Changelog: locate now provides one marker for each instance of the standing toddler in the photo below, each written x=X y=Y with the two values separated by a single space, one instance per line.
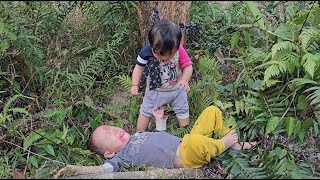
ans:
x=166 y=68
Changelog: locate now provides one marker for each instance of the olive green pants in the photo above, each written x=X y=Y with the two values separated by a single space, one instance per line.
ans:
x=198 y=147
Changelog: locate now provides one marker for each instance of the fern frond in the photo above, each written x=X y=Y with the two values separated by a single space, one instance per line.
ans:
x=125 y=81
x=93 y=64
x=315 y=95
x=239 y=166
x=284 y=45
x=309 y=62
x=208 y=66
x=299 y=82
x=308 y=36
x=282 y=63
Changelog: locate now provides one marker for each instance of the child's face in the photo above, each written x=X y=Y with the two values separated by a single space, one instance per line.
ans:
x=165 y=57
x=111 y=138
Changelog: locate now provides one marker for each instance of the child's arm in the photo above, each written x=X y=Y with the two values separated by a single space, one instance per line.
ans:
x=186 y=64
x=187 y=73
x=185 y=78
x=78 y=170
x=136 y=76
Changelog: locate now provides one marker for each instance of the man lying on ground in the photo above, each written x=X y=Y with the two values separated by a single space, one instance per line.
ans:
x=160 y=149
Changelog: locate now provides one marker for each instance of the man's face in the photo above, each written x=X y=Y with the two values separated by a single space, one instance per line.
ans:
x=112 y=138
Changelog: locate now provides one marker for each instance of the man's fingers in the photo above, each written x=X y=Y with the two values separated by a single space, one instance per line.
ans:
x=61 y=172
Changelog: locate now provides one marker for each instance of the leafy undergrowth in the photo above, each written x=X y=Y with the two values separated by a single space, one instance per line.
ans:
x=65 y=68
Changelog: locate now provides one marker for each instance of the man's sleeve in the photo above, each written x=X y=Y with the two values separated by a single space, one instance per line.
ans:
x=184 y=59
x=107 y=167
x=116 y=163
x=144 y=55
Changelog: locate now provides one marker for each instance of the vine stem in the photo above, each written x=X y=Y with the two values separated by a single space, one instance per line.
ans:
x=305 y=20
x=35 y=153
x=294 y=94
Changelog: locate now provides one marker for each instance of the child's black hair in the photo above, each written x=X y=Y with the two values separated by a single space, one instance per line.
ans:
x=164 y=37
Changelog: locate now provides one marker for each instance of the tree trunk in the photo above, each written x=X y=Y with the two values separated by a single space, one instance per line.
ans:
x=176 y=11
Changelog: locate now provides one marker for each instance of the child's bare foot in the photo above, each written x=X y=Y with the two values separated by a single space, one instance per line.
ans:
x=243 y=145
x=230 y=139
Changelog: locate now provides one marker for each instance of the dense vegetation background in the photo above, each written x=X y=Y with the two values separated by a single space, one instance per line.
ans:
x=65 y=68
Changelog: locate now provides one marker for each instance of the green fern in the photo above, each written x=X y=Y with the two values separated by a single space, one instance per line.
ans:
x=284 y=45
x=239 y=166
x=312 y=88
x=125 y=81
x=309 y=62
x=91 y=67
x=209 y=66
x=307 y=37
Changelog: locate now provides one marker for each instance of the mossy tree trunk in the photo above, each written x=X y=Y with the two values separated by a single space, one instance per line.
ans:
x=176 y=11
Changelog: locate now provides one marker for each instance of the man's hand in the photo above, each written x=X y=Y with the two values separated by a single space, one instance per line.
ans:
x=74 y=170
x=184 y=84
x=158 y=112
x=77 y=170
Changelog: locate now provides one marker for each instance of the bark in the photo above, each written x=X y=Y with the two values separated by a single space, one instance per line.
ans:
x=176 y=11
x=157 y=173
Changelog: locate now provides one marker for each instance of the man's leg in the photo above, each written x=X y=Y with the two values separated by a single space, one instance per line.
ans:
x=210 y=121
x=198 y=150
x=243 y=145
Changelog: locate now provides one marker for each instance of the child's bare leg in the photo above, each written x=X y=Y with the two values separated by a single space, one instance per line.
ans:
x=184 y=122
x=230 y=139
x=142 y=123
x=243 y=145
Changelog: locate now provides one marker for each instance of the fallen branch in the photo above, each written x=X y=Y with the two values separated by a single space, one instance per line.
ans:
x=182 y=173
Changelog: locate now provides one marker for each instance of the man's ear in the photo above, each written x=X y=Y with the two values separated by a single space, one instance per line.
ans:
x=109 y=154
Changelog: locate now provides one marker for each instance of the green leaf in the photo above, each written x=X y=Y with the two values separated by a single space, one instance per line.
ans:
x=12 y=36
x=280 y=152
x=247 y=38
x=286 y=31
x=65 y=132
x=252 y=7
x=1 y=27
x=4 y=45
x=32 y=138
x=255 y=84
x=304 y=126
x=302 y=102
x=49 y=149
x=120 y=122
x=20 y=110
x=297 y=127
x=7 y=105
x=272 y=124
x=290 y=11
x=290 y=125
x=235 y=39
x=34 y=161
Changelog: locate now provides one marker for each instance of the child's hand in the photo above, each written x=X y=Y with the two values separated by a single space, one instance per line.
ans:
x=158 y=113
x=184 y=84
x=134 y=90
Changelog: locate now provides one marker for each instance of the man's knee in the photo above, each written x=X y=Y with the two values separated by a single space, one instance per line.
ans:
x=212 y=108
